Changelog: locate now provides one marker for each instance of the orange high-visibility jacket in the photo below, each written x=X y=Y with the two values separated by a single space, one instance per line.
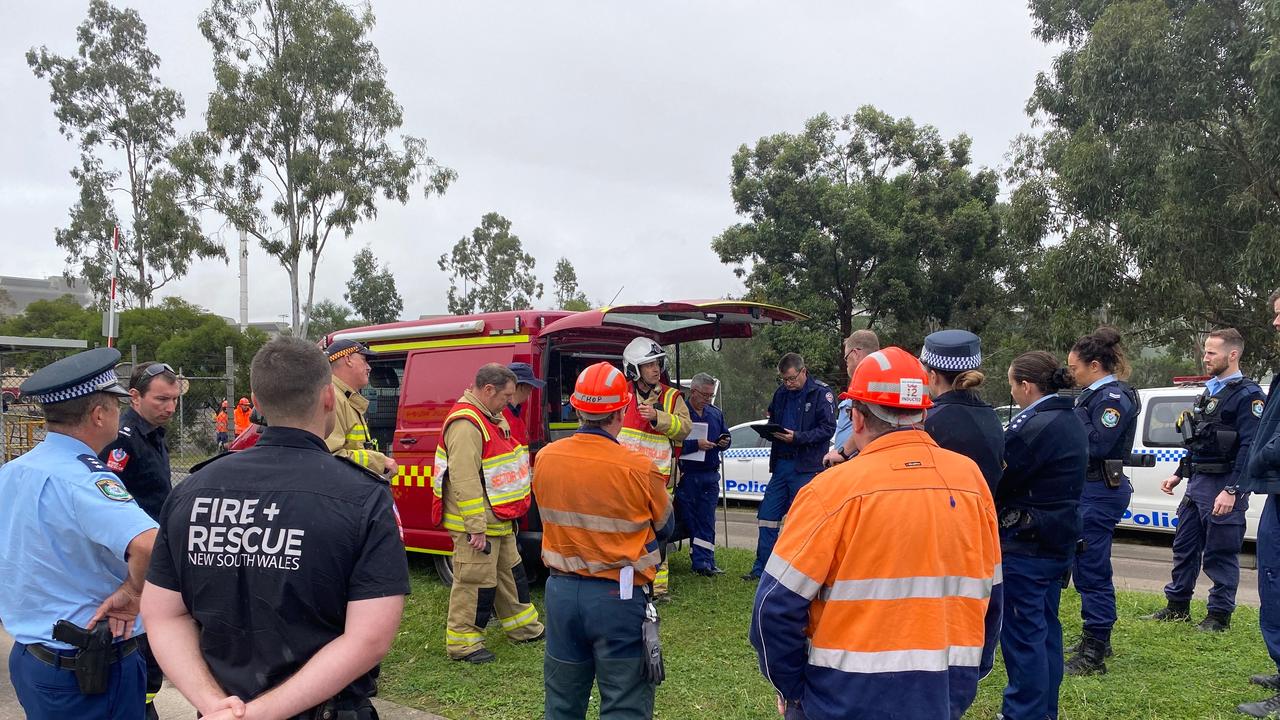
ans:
x=601 y=507
x=883 y=596
x=242 y=418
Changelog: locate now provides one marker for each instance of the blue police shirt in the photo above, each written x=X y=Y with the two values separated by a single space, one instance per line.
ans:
x=1215 y=384
x=714 y=419
x=844 y=424
x=65 y=524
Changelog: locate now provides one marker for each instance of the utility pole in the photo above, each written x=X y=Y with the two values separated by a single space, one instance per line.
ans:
x=231 y=376
x=244 y=280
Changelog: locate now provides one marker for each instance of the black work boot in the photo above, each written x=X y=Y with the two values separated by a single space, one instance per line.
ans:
x=1215 y=622
x=1173 y=612
x=1088 y=659
x=1074 y=649
x=1269 y=708
x=1270 y=682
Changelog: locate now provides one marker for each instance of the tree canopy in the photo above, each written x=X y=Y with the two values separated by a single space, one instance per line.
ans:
x=567 y=294
x=494 y=271
x=372 y=290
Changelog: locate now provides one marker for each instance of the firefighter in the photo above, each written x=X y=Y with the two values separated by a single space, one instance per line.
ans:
x=605 y=512
x=882 y=597
x=481 y=484
x=656 y=422
x=220 y=426
x=243 y=412
x=350 y=436
x=526 y=383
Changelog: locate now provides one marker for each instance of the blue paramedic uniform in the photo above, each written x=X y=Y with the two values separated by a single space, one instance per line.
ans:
x=809 y=412
x=699 y=489
x=1046 y=453
x=1108 y=409
x=65 y=525
x=1234 y=403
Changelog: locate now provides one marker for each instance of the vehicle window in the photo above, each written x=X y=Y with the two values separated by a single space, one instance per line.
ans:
x=435 y=379
x=745 y=437
x=1160 y=427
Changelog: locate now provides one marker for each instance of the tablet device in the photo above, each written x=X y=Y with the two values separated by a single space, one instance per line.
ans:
x=767 y=430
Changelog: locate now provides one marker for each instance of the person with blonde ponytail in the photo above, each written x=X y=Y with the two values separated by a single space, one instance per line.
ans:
x=959 y=420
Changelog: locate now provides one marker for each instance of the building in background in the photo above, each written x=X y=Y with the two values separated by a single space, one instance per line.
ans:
x=16 y=293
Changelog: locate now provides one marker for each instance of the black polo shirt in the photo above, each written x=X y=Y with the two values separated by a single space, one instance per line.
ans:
x=141 y=459
x=267 y=546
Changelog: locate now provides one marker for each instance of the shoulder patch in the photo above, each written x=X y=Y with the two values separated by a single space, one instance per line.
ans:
x=93 y=463
x=118 y=459
x=1110 y=417
x=113 y=490
x=1257 y=407
x=830 y=398
x=1114 y=396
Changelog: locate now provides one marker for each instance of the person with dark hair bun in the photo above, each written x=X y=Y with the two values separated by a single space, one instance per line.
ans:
x=1108 y=408
x=1046 y=452
x=959 y=420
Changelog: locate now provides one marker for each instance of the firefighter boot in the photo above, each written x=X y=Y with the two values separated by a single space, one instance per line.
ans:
x=1089 y=659
x=1215 y=622
x=1173 y=612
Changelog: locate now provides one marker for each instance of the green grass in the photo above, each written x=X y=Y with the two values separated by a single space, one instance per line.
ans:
x=1159 y=671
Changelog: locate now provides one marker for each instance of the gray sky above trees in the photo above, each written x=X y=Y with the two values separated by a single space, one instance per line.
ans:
x=603 y=131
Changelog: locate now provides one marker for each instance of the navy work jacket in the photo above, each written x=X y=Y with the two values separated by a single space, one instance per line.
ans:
x=961 y=422
x=813 y=430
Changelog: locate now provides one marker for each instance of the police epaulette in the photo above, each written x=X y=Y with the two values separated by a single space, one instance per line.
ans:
x=93 y=463
x=203 y=463
x=365 y=470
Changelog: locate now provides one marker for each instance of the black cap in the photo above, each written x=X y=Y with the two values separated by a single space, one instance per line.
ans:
x=81 y=374
x=524 y=375
x=952 y=351
x=342 y=348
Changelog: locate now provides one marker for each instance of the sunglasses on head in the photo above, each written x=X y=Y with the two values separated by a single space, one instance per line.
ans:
x=155 y=369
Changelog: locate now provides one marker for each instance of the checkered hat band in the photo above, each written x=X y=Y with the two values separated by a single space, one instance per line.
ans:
x=107 y=377
x=343 y=353
x=951 y=363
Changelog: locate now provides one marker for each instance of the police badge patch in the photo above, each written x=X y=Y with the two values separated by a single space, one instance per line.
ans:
x=1211 y=406
x=1110 y=417
x=113 y=490
x=117 y=459
x=1257 y=408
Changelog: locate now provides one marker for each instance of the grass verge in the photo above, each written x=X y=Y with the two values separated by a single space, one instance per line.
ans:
x=1159 y=671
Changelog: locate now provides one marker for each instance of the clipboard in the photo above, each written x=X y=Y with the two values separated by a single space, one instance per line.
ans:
x=767 y=430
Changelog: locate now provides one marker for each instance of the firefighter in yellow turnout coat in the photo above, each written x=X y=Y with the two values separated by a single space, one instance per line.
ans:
x=350 y=437
x=656 y=422
x=482 y=482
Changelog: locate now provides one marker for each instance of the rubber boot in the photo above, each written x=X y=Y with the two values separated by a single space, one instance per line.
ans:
x=1089 y=659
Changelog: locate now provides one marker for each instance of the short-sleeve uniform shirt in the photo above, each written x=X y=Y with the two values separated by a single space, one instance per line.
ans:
x=267 y=546
x=65 y=524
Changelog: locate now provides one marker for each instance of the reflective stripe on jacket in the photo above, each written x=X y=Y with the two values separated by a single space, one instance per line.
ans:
x=660 y=440
x=883 y=596
x=504 y=467
x=351 y=431
x=601 y=506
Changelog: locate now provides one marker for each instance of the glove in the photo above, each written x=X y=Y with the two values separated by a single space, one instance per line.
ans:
x=654 y=672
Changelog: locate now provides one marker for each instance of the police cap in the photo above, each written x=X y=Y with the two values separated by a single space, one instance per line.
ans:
x=342 y=348
x=952 y=351
x=524 y=375
x=71 y=377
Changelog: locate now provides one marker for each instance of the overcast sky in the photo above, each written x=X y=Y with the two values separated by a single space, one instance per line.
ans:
x=602 y=130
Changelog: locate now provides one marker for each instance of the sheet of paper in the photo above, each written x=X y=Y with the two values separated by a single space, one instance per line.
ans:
x=626 y=582
x=699 y=432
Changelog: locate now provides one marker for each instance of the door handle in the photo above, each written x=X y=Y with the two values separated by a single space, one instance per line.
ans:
x=409 y=441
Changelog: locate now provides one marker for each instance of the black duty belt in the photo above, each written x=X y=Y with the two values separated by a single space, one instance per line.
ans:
x=1210 y=468
x=68 y=662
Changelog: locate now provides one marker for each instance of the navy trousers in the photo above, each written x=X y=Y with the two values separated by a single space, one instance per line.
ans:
x=1031 y=636
x=1214 y=541
x=696 y=497
x=1269 y=577
x=47 y=693
x=784 y=483
x=1101 y=508
x=594 y=635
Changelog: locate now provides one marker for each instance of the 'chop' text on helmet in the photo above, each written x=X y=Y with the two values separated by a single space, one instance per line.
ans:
x=600 y=390
x=642 y=351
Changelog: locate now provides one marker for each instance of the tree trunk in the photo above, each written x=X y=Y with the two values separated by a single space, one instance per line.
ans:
x=311 y=291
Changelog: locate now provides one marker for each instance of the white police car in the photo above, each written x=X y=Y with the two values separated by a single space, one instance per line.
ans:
x=746 y=464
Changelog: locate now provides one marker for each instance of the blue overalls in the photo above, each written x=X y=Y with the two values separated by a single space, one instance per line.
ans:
x=1046 y=453
x=1263 y=477
x=1231 y=403
x=1109 y=411
x=699 y=489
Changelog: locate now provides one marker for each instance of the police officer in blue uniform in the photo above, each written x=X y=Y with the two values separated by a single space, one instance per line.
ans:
x=1046 y=453
x=140 y=457
x=699 y=486
x=1108 y=409
x=1262 y=476
x=74 y=547
x=269 y=556
x=805 y=407
x=1217 y=432
x=959 y=420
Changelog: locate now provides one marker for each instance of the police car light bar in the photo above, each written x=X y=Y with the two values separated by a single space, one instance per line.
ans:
x=400 y=333
x=1190 y=379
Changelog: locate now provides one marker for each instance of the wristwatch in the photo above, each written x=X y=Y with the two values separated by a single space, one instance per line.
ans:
x=1231 y=490
x=840 y=452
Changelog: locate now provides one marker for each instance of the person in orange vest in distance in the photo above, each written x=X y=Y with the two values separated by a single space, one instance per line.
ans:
x=605 y=512
x=883 y=595
x=481 y=485
x=220 y=426
x=242 y=412
x=656 y=421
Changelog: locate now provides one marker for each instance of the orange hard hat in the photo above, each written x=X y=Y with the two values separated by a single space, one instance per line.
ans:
x=891 y=377
x=601 y=389
x=243 y=401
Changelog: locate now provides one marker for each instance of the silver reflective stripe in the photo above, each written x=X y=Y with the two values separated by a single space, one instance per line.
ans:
x=880 y=359
x=997 y=576
x=884 y=387
x=592 y=522
x=791 y=578
x=888 y=661
x=768 y=523
x=573 y=563
x=939 y=586
x=699 y=542
x=597 y=398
